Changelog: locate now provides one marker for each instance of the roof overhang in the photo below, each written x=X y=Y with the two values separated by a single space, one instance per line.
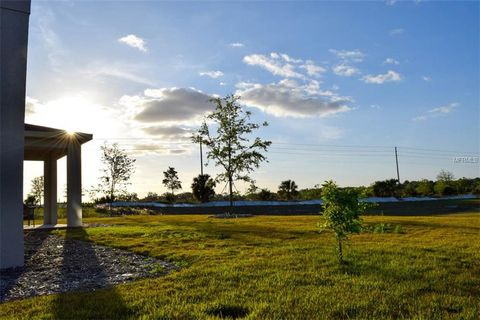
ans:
x=44 y=142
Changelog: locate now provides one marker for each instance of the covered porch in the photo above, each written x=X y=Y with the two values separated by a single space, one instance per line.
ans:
x=49 y=145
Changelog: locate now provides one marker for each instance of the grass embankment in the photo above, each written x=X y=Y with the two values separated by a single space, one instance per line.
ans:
x=282 y=268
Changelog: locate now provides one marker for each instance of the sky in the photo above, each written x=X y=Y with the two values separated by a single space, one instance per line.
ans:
x=340 y=84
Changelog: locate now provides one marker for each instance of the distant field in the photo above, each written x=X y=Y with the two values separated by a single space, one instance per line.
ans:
x=281 y=267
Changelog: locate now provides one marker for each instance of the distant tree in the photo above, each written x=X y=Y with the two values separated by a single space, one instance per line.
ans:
x=444 y=188
x=203 y=188
x=171 y=181
x=117 y=170
x=30 y=200
x=151 y=196
x=425 y=187
x=445 y=175
x=464 y=186
x=37 y=189
x=387 y=188
x=314 y=193
x=184 y=197
x=252 y=188
x=287 y=190
x=266 y=195
x=409 y=189
x=231 y=147
x=476 y=188
x=128 y=197
x=342 y=211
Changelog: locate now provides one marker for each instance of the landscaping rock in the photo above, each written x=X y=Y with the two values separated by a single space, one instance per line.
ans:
x=54 y=264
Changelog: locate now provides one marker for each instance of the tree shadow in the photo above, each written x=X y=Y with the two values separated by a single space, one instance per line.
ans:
x=82 y=272
x=33 y=240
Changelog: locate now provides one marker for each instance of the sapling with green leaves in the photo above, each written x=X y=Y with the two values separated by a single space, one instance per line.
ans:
x=342 y=212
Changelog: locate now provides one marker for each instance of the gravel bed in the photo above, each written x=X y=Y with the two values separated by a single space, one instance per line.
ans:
x=54 y=264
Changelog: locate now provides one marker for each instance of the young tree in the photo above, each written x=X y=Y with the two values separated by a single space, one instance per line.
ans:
x=203 y=188
x=342 y=210
x=171 y=180
x=287 y=190
x=117 y=171
x=231 y=147
x=37 y=189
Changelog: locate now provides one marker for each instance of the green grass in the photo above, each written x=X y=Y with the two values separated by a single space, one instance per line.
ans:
x=272 y=267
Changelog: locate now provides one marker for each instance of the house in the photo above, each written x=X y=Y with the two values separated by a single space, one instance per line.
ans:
x=20 y=141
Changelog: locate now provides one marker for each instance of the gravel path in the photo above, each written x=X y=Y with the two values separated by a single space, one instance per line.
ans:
x=54 y=264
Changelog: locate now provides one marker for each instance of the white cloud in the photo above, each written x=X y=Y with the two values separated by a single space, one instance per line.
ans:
x=277 y=64
x=134 y=42
x=438 y=111
x=312 y=69
x=287 y=98
x=222 y=83
x=391 y=2
x=345 y=70
x=102 y=70
x=444 y=110
x=391 y=61
x=154 y=148
x=346 y=55
x=237 y=45
x=169 y=132
x=212 y=74
x=397 y=31
x=31 y=106
x=45 y=26
x=390 y=76
x=167 y=106
x=426 y=78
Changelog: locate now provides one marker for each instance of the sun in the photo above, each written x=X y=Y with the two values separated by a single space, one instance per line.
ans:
x=74 y=113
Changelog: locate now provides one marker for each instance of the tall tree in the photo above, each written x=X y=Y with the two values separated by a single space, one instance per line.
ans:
x=229 y=143
x=342 y=211
x=287 y=190
x=171 y=180
x=203 y=188
x=117 y=171
x=37 y=189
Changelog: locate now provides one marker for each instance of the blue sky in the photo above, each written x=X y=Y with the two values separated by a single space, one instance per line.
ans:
x=340 y=83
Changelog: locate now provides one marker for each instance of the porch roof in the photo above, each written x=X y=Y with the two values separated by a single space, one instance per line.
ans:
x=44 y=142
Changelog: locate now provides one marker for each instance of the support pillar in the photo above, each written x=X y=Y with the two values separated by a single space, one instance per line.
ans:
x=50 y=191
x=74 y=183
x=13 y=62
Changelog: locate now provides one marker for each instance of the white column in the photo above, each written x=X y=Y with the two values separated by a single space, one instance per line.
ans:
x=50 y=191
x=74 y=184
x=13 y=59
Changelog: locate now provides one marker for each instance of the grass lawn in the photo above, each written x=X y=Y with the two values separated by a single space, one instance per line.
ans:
x=272 y=267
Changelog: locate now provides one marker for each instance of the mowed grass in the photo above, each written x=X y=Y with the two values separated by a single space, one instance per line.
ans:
x=273 y=267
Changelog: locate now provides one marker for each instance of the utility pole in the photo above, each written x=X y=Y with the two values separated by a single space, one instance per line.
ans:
x=396 y=161
x=201 y=158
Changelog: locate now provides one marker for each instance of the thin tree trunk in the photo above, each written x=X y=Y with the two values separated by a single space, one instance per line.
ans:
x=231 y=193
x=340 y=252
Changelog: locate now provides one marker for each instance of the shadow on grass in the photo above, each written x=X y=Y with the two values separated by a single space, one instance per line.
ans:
x=78 y=264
